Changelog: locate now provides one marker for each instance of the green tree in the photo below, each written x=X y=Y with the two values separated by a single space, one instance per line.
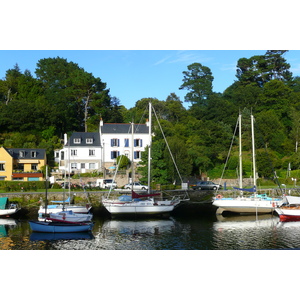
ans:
x=198 y=81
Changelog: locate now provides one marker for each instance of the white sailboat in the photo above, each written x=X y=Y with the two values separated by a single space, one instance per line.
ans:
x=253 y=204
x=143 y=204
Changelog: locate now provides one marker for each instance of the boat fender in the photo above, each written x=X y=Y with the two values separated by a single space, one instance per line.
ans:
x=219 y=197
x=64 y=216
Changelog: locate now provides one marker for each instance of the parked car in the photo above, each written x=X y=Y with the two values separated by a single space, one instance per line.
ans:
x=136 y=186
x=106 y=183
x=206 y=185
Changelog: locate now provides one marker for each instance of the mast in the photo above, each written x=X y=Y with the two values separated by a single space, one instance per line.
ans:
x=132 y=155
x=240 y=155
x=149 y=147
x=46 y=200
x=253 y=151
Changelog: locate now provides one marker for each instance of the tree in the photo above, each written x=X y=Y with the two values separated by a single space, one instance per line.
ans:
x=260 y=69
x=75 y=95
x=198 y=80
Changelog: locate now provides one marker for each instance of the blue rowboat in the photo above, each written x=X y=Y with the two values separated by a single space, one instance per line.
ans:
x=42 y=226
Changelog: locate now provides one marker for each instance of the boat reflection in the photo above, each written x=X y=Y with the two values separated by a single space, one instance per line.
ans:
x=134 y=227
x=46 y=236
x=5 y=225
x=245 y=232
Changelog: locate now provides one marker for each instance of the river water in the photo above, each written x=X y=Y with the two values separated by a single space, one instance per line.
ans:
x=174 y=233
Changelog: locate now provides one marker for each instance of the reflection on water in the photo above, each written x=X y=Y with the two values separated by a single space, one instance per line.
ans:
x=246 y=232
x=211 y=233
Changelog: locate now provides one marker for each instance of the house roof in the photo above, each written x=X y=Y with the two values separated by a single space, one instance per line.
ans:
x=15 y=153
x=116 y=128
x=83 y=136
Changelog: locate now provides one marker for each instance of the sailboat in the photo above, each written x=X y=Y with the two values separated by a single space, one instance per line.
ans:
x=143 y=204
x=59 y=227
x=253 y=204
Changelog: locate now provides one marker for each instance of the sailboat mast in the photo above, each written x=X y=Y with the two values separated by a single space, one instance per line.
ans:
x=132 y=154
x=149 y=147
x=240 y=155
x=253 y=151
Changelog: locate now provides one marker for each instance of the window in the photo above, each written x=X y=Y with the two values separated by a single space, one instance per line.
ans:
x=114 y=154
x=20 y=167
x=2 y=167
x=137 y=155
x=126 y=142
x=73 y=166
x=34 y=167
x=89 y=141
x=91 y=152
x=138 y=143
x=62 y=155
x=33 y=154
x=115 y=142
x=82 y=165
x=73 y=152
x=22 y=153
x=77 y=141
x=92 y=166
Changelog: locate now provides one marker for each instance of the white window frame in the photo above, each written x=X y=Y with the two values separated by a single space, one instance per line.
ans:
x=77 y=141
x=89 y=141
x=92 y=152
x=2 y=167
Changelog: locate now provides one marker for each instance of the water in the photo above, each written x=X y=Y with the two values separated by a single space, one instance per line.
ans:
x=197 y=233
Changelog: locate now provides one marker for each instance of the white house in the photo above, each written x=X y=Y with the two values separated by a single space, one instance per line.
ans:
x=95 y=151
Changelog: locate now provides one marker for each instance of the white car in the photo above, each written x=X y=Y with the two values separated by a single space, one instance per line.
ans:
x=136 y=186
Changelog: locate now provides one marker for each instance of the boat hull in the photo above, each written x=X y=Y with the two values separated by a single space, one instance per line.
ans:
x=287 y=215
x=70 y=216
x=8 y=212
x=139 y=208
x=58 y=227
x=246 y=205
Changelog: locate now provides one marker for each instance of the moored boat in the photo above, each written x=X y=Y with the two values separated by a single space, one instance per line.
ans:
x=244 y=204
x=43 y=226
x=6 y=208
x=70 y=216
x=145 y=204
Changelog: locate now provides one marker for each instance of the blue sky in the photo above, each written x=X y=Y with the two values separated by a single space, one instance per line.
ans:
x=135 y=74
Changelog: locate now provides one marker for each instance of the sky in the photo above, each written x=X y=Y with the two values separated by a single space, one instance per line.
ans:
x=135 y=74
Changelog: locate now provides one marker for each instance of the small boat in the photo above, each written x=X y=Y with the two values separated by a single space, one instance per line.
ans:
x=7 y=208
x=59 y=206
x=69 y=216
x=59 y=227
x=289 y=211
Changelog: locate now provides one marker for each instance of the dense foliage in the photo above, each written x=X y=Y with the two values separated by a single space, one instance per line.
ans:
x=62 y=97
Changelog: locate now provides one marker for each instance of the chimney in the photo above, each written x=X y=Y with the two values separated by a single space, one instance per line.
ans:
x=65 y=139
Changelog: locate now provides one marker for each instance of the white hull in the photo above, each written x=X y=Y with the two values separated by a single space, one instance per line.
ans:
x=143 y=207
x=8 y=212
x=55 y=209
x=70 y=216
x=245 y=205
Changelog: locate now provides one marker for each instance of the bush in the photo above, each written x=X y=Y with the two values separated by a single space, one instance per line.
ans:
x=21 y=186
